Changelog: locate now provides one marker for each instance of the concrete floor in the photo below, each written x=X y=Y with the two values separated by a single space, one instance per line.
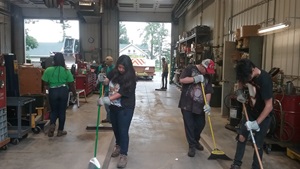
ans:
x=157 y=139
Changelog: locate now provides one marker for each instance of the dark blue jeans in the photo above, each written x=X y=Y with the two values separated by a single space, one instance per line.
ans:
x=120 y=121
x=259 y=140
x=58 y=98
x=193 y=126
x=164 y=79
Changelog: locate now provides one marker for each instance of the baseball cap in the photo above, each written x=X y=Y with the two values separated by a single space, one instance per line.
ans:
x=209 y=66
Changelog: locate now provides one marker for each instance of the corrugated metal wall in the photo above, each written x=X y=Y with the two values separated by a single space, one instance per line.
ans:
x=281 y=49
x=5 y=28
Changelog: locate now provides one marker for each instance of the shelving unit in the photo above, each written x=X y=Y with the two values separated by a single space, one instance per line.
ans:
x=19 y=130
x=193 y=48
x=245 y=46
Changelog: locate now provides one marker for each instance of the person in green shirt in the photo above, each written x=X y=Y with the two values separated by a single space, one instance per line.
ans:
x=58 y=79
x=103 y=71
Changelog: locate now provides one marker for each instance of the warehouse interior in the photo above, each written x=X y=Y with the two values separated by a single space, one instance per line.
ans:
x=222 y=30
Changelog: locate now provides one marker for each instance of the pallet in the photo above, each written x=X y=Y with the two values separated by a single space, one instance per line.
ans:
x=3 y=143
x=293 y=153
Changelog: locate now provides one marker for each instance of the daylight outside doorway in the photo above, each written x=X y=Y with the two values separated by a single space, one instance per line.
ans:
x=146 y=43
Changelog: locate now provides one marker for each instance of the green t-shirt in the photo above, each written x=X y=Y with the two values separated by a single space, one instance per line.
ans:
x=57 y=75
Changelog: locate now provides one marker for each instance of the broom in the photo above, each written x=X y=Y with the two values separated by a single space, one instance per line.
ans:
x=216 y=153
x=253 y=140
x=94 y=163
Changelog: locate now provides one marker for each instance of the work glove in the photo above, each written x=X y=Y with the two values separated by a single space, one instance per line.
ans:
x=101 y=77
x=103 y=101
x=198 y=78
x=240 y=96
x=252 y=125
x=207 y=109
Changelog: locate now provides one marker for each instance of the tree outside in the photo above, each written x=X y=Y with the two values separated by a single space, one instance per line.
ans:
x=155 y=35
x=123 y=37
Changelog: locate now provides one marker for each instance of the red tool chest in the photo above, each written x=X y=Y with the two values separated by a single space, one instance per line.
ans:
x=290 y=115
x=86 y=81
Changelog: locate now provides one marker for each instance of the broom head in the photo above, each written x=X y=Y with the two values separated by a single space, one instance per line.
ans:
x=94 y=163
x=218 y=154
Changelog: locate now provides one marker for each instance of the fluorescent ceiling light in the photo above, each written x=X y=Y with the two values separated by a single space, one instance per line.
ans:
x=85 y=3
x=274 y=27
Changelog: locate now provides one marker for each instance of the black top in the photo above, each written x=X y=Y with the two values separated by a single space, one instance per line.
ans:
x=264 y=91
x=191 y=98
x=127 y=99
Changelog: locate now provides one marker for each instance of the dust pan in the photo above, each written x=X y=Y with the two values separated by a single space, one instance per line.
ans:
x=216 y=153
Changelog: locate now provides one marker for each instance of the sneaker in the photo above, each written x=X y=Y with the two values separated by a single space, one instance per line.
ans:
x=116 y=152
x=233 y=166
x=191 y=152
x=51 y=130
x=61 y=133
x=199 y=147
x=122 y=161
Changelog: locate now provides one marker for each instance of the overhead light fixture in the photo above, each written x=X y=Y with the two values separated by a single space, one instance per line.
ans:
x=273 y=28
x=86 y=3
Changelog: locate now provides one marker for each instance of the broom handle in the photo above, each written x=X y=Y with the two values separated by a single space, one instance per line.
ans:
x=101 y=88
x=208 y=117
x=253 y=140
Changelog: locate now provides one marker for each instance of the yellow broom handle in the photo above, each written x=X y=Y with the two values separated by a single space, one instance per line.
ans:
x=254 y=144
x=208 y=117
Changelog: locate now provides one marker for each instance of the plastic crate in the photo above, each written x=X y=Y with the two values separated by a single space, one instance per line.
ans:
x=3 y=125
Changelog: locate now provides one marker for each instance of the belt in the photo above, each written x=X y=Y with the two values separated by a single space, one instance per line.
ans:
x=63 y=85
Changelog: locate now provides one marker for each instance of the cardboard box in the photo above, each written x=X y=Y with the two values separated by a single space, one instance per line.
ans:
x=30 y=80
x=249 y=30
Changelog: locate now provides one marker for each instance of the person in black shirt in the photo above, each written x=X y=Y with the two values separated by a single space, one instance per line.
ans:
x=122 y=85
x=259 y=106
x=191 y=101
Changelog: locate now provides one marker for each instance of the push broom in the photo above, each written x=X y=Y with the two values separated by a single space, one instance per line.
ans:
x=94 y=163
x=253 y=140
x=216 y=153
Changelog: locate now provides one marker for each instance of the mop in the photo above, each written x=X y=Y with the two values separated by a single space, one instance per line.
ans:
x=216 y=153
x=253 y=140
x=94 y=163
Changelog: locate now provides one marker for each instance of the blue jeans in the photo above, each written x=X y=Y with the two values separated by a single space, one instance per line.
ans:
x=120 y=121
x=164 y=79
x=58 y=98
x=259 y=139
x=193 y=126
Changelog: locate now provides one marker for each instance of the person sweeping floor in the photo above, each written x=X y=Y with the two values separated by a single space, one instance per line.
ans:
x=259 y=106
x=191 y=103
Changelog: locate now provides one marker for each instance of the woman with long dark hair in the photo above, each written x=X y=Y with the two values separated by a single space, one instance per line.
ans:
x=58 y=79
x=122 y=85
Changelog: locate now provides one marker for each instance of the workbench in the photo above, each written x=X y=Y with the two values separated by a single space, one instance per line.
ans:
x=19 y=131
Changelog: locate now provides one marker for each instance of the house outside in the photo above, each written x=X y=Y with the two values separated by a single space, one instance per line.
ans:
x=134 y=51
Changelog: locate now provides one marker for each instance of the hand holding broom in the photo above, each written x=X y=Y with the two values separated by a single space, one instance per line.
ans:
x=251 y=125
